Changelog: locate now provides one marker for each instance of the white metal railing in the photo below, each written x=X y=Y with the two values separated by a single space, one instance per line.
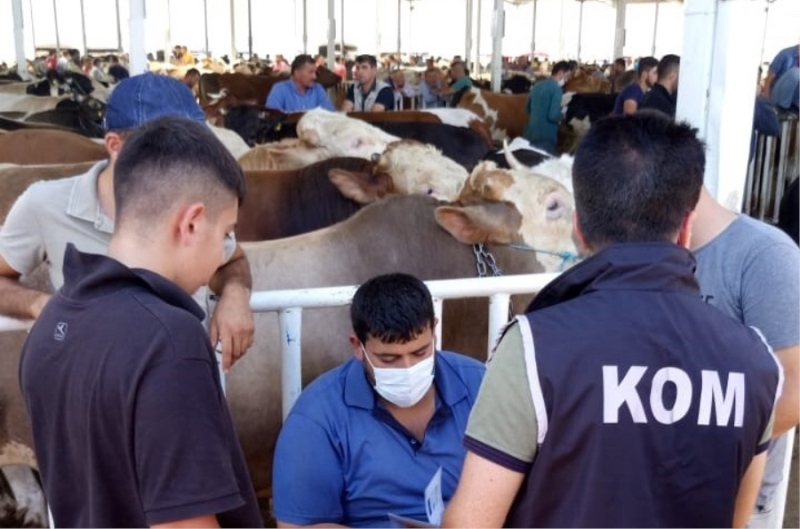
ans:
x=771 y=171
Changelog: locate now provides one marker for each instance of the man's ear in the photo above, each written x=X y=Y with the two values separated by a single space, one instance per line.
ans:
x=187 y=222
x=114 y=144
x=356 y=344
x=685 y=233
x=583 y=247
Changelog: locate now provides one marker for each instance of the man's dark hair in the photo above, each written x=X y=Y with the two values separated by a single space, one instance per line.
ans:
x=301 y=60
x=113 y=59
x=667 y=65
x=192 y=71
x=646 y=64
x=620 y=62
x=560 y=66
x=169 y=159
x=369 y=59
x=393 y=308
x=635 y=178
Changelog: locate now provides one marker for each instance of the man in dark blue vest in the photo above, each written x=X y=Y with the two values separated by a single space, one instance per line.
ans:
x=621 y=399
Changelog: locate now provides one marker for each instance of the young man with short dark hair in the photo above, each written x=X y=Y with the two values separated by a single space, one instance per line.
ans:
x=626 y=400
x=664 y=94
x=627 y=101
x=365 y=439
x=544 y=109
x=368 y=94
x=301 y=91
x=130 y=424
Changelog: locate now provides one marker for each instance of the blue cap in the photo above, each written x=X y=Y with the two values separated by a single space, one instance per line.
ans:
x=141 y=98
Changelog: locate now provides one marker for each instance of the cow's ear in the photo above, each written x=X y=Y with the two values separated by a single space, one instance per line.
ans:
x=488 y=222
x=363 y=187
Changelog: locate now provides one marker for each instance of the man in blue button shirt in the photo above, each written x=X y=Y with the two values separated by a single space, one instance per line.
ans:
x=301 y=91
x=365 y=439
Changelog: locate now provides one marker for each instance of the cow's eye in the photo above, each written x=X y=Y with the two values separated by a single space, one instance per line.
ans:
x=430 y=191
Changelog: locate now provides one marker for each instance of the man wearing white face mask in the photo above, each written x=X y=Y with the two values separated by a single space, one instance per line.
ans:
x=367 y=438
x=544 y=109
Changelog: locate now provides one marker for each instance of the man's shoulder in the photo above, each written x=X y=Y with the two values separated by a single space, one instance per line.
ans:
x=176 y=324
x=466 y=369
x=749 y=236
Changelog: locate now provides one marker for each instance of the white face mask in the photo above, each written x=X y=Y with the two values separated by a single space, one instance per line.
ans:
x=403 y=386
x=561 y=82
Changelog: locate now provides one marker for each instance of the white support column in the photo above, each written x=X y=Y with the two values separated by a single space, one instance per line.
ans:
x=655 y=29
x=138 y=57
x=119 y=28
x=721 y=47
x=399 y=28
x=83 y=27
x=342 y=24
x=232 y=54
x=205 y=24
x=562 y=33
x=33 y=29
x=619 y=30
x=498 y=29
x=533 y=31
x=468 y=36
x=19 y=39
x=167 y=31
x=331 y=34
x=290 y=321
x=479 y=16
x=305 y=26
x=249 y=29
x=378 y=33
x=580 y=30
x=58 y=38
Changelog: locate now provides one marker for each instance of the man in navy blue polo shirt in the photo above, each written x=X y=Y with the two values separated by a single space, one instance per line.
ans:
x=367 y=438
x=130 y=425
x=301 y=91
x=621 y=398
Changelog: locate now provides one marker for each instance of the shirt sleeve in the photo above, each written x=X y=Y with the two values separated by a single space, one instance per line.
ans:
x=771 y=294
x=21 y=242
x=307 y=475
x=182 y=456
x=275 y=98
x=502 y=426
x=554 y=112
x=386 y=98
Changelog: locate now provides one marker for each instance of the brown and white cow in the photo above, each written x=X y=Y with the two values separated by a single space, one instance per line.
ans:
x=504 y=114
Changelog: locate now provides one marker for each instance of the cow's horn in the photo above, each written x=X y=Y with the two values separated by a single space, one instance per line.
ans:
x=510 y=158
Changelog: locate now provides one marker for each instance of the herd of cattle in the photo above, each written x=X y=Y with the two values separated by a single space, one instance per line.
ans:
x=333 y=199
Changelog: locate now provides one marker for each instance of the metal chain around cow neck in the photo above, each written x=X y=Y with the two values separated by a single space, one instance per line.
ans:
x=485 y=260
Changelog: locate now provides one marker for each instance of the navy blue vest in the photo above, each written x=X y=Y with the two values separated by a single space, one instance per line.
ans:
x=655 y=402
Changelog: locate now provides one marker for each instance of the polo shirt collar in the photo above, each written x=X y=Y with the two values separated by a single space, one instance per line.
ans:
x=83 y=201
x=359 y=393
x=88 y=276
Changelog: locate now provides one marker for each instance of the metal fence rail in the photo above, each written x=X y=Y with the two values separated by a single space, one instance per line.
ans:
x=773 y=168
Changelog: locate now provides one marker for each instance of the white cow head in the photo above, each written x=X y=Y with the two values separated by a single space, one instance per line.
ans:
x=559 y=169
x=422 y=169
x=544 y=205
x=341 y=135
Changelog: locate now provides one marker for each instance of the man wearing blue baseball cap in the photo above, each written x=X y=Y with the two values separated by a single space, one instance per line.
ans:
x=81 y=210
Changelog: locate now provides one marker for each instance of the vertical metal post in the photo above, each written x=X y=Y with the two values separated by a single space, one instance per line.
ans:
x=250 y=29
x=399 y=29
x=305 y=26
x=498 y=318
x=479 y=16
x=378 y=28
x=533 y=31
x=205 y=22
x=580 y=31
x=55 y=18
x=655 y=29
x=468 y=35
x=83 y=28
x=290 y=321
x=168 y=33
x=138 y=57
x=619 y=30
x=119 y=28
x=437 y=312
x=233 y=33
x=342 y=24
x=19 y=39
x=331 y=33
x=498 y=29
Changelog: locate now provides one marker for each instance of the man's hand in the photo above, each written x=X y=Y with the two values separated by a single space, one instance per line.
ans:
x=232 y=324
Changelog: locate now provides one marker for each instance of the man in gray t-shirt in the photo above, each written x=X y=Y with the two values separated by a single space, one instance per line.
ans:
x=749 y=270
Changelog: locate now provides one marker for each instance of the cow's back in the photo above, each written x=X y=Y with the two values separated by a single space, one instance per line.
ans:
x=42 y=146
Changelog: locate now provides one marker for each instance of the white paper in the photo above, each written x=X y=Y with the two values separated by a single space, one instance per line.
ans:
x=434 y=504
